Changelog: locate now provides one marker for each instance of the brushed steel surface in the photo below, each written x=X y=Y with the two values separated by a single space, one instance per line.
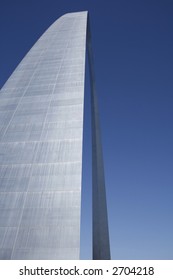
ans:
x=41 y=133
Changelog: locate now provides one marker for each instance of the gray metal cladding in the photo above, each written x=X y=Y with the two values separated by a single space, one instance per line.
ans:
x=101 y=244
x=41 y=131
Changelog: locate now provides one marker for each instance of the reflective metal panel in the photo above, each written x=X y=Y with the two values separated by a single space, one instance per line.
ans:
x=41 y=127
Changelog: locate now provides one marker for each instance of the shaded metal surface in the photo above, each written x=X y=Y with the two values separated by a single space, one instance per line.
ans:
x=101 y=245
x=41 y=130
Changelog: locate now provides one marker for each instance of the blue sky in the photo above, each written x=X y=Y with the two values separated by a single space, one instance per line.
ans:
x=132 y=44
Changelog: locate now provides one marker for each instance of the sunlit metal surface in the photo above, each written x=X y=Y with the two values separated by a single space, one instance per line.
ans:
x=41 y=130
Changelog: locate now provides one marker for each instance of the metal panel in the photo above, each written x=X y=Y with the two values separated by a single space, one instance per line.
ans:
x=41 y=125
x=101 y=246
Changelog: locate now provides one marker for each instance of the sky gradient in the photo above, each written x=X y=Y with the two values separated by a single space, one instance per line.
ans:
x=132 y=44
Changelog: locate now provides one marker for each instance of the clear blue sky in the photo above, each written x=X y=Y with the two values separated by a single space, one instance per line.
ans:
x=133 y=51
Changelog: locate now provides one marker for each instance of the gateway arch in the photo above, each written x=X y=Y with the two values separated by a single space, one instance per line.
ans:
x=41 y=138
